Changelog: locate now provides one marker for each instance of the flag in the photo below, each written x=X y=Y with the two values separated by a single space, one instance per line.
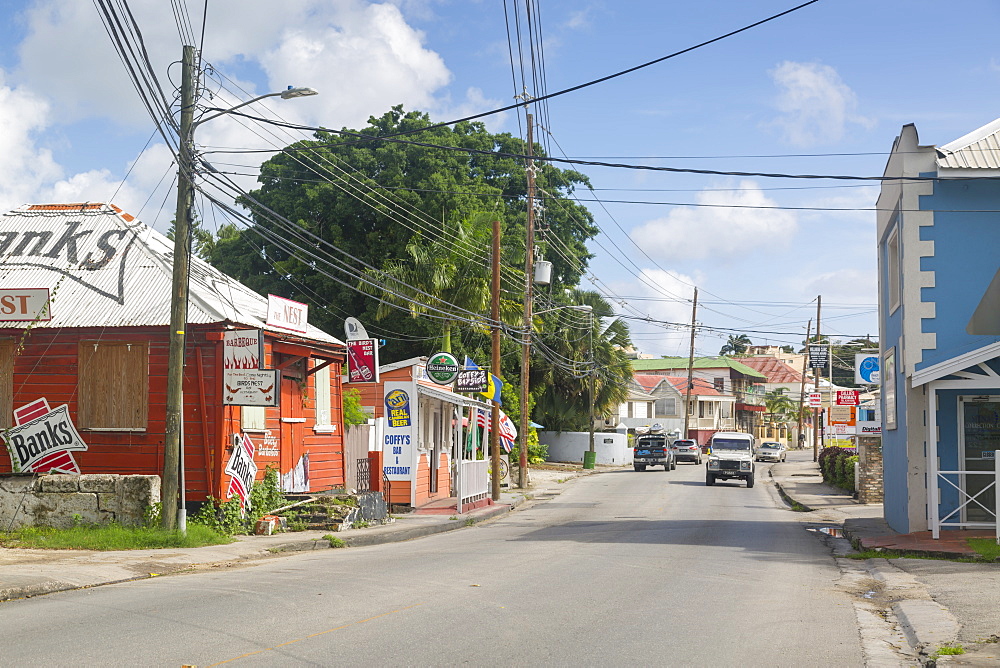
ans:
x=494 y=384
x=508 y=433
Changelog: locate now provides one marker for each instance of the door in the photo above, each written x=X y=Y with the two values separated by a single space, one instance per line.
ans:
x=979 y=434
x=294 y=461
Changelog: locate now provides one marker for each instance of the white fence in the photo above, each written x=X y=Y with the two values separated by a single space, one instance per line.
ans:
x=473 y=482
x=954 y=518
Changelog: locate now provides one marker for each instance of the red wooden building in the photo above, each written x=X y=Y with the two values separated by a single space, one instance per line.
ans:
x=103 y=353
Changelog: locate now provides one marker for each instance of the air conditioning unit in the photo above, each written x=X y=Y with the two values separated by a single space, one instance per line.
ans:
x=609 y=423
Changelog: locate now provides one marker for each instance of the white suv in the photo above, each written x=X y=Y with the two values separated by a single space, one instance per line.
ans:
x=731 y=456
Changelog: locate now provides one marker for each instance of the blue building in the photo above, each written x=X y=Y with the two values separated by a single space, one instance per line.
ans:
x=939 y=325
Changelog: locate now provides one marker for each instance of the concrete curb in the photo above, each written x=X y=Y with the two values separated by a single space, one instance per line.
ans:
x=926 y=624
x=788 y=499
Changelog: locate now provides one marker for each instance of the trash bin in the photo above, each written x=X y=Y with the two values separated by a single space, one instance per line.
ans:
x=589 y=459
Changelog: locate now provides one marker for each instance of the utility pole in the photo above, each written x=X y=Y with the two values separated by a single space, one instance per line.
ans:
x=591 y=381
x=495 y=360
x=802 y=388
x=816 y=411
x=173 y=440
x=690 y=383
x=529 y=256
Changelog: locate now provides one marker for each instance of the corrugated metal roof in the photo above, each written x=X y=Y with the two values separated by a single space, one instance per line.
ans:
x=669 y=363
x=104 y=268
x=775 y=370
x=980 y=149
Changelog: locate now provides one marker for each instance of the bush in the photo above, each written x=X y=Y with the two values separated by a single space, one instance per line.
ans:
x=537 y=452
x=226 y=517
x=837 y=466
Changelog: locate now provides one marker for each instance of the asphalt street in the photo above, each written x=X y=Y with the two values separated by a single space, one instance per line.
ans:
x=649 y=568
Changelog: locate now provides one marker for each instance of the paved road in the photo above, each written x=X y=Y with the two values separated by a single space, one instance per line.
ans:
x=623 y=568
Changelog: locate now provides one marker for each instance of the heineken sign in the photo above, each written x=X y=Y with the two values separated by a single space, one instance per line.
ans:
x=442 y=368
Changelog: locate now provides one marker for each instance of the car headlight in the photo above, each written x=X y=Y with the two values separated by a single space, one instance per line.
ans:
x=713 y=463
x=745 y=465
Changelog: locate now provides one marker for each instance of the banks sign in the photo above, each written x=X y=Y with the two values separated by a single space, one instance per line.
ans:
x=42 y=438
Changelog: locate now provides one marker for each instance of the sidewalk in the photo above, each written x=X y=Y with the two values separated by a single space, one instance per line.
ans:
x=933 y=602
x=25 y=573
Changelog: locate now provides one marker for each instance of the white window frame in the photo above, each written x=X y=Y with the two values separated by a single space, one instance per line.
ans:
x=324 y=407
x=893 y=274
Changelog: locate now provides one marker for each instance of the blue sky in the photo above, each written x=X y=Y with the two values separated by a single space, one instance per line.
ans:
x=823 y=90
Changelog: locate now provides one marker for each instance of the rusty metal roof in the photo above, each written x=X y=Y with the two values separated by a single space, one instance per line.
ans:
x=980 y=149
x=104 y=268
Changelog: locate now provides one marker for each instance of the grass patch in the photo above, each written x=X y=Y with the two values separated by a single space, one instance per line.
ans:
x=986 y=547
x=334 y=541
x=110 y=537
x=948 y=650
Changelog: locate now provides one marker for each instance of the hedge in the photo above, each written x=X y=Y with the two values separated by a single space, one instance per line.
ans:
x=837 y=465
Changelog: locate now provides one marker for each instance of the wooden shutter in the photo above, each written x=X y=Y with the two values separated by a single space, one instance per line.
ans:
x=113 y=385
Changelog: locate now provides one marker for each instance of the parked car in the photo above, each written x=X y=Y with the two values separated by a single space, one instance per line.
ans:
x=686 y=450
x=652 y=449
x=771 y=451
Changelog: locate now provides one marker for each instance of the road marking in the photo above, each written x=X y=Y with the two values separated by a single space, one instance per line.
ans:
x=312 y=635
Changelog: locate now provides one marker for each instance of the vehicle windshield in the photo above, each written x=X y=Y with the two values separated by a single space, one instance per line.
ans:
x=731 y=444
x=770 y=446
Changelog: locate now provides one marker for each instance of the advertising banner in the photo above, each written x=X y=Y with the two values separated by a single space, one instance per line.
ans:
x=24 y=304
x=819 y=356
x=866 y=369
x=49 y=435
x=286 y=314
x=472 y=380
x=251 y=387
x=362 y=361
x=815 y=400
x=243 y=470
x=442 y=368
x=243 y=349
x=398 y=441
x=841 y=414
x=847 y=397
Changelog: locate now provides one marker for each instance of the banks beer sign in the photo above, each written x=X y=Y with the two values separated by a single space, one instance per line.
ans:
x=43 y=438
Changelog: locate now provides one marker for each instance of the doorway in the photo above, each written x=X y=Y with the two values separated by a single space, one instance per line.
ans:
x=979 y=438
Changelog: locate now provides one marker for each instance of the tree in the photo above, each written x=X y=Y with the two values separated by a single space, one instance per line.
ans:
x=736 y=345
x=360 y=202
x=560 y=379
x=779 y=407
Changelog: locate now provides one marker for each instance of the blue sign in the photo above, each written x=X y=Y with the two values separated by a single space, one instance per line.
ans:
x=866 y=369
x=397 y=408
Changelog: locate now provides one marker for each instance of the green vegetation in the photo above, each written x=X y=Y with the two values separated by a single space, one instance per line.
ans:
x=110 y=537
x=334 y=541
x=948 y=650
x=226 y=517
x=837 y=465
x=986 y=547
x=352 y=408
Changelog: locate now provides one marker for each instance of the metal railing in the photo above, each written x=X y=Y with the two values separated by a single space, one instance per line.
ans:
x=966 y=500
x=364 y=475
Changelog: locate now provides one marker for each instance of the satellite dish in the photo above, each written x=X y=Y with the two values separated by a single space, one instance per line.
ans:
x=354 y=329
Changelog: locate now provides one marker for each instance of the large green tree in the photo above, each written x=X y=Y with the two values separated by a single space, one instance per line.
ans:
x=736 y=345
x=358 y=202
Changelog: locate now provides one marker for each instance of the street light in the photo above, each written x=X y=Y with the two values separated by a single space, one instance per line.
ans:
x=525 y=421
x=173 y=514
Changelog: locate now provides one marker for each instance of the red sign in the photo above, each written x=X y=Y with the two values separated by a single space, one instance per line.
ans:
x=847 y=397
x=815 y=400
x=362 y=361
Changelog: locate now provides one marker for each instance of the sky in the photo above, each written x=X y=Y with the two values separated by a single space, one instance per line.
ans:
x=823 y=90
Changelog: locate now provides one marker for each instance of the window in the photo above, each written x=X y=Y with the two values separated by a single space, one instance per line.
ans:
x=253 y=418
x=666 y=407
x=892 y=274
x=710 y=409
x=719 y=384
x=113 y=385
x=324 y=420
x=6 y=382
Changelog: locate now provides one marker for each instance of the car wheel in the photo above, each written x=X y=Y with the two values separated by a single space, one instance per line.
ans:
x=750 y=481
x=709 y=479
x=673 y=465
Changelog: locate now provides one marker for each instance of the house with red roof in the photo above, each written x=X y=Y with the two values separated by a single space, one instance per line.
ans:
x=711 y=410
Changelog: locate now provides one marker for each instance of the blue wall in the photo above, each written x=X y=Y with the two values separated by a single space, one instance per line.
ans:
x=966 y=245
x=894 y=459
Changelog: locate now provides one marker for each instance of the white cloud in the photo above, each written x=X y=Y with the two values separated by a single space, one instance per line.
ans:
x=816 y=105
x=25 y=167
x=720 y=230
x=663 y=296
x=850 y=285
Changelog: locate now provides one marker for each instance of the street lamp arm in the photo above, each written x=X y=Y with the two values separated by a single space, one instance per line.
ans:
x=286 y=94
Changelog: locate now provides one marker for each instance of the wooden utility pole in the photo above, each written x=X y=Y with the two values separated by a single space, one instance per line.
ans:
x=173 y=438
x=690 y=383
x=495 y=361
x=816 y=411
x=529 y=256
x=802 y=388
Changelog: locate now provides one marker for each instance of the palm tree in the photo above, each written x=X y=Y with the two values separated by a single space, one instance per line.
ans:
x=736 y=345
x=441 y=277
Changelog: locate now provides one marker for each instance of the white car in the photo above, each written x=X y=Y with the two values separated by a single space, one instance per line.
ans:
x=771 y=451
x=686 y=450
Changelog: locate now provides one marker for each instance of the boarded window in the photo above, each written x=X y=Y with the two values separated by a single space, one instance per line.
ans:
x=6 y=383
x=666 y=407
x=113 y=391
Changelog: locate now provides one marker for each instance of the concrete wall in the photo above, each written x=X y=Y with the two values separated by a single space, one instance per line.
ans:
x=569 y=446
x=54 y=500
